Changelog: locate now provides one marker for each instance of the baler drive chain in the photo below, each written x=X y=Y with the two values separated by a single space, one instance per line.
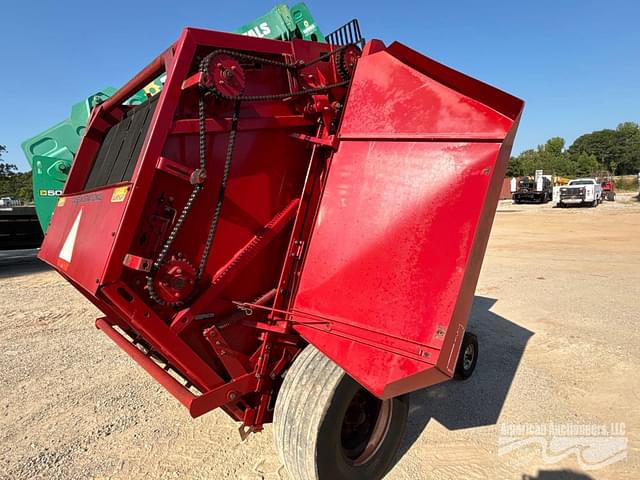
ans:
x=201 y=174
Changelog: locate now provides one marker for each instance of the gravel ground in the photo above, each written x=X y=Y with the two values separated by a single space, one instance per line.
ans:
x=556 y=313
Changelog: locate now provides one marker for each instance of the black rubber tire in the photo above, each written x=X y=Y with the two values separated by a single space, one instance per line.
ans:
x=307 y=422
x=463 y=372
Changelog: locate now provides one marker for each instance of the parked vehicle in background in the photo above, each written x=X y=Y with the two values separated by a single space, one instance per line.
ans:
x=9 y=202
x=19 y=227
x=533 y=190
x=580 y=191
x=608 y=189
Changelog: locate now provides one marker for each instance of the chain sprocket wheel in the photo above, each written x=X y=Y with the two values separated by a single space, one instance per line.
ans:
x=174 y=281
x=225 y=76
x=346 y=60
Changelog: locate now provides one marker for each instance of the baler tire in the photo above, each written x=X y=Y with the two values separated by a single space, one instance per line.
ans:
x=308 y=423
x=464 y=369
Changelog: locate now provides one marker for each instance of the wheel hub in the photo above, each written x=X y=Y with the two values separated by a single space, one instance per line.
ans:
x=469 y=354
x=364 y=427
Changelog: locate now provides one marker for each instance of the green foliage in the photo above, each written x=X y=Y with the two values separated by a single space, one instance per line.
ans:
x=14 y=183
x=627 y=183
x=6 y=169
x=617 y=151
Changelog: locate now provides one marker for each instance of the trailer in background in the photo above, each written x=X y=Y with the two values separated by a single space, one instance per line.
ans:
x=538 y=189
x=19 y=227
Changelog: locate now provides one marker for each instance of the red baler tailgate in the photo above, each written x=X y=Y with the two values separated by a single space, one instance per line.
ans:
x=79 y=241
x=396 y=250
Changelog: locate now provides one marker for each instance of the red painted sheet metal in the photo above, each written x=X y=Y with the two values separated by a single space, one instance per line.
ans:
x=409 y=103
x=94 y=215
x=404 y=220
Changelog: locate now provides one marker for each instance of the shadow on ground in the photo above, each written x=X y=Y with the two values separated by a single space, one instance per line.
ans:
x=477 y=401
x=15 y=263
x=558 y=475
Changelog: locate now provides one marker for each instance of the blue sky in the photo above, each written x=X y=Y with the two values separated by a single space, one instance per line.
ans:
x=575 y=63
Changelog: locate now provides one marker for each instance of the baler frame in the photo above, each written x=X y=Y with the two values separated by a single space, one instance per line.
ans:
x=338 y=130
x=178 y=358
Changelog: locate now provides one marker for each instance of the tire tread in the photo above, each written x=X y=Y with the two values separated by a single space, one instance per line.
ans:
x=304 y=399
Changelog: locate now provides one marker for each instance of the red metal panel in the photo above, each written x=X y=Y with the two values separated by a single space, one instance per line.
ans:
x=390 y=99
x=408 y=204
x=96 y=215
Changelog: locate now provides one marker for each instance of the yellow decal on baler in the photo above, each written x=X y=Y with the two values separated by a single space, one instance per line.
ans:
x=61 y=201
x=155 y=86
x=119 y=194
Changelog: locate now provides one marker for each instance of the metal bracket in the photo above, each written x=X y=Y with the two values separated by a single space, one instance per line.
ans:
x=235 y=363
x=297 y=248
x=175 y=169
x=245 y=431
x=330 y=141
x=137 y=263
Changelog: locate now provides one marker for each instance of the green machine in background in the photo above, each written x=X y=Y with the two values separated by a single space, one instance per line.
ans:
x=284 y=23
x=50 y=153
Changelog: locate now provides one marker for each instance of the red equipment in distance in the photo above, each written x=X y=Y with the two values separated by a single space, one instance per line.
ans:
x=332 y=230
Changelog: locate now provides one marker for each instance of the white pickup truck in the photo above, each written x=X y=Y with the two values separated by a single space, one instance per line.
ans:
x=9 y=202
x=581 y=191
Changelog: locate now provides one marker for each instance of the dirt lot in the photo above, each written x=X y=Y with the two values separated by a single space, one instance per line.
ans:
x=556 y=312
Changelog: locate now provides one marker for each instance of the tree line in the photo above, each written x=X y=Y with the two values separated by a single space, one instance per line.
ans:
x=13 y=183
x=616 y=151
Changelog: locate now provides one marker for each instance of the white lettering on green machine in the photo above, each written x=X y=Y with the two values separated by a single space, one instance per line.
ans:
x=259 y=31
x=50 y=193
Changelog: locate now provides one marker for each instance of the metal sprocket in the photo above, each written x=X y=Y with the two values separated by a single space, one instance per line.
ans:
x=346 y=60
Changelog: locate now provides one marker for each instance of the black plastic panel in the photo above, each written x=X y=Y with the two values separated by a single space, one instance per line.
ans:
x=121 y=147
